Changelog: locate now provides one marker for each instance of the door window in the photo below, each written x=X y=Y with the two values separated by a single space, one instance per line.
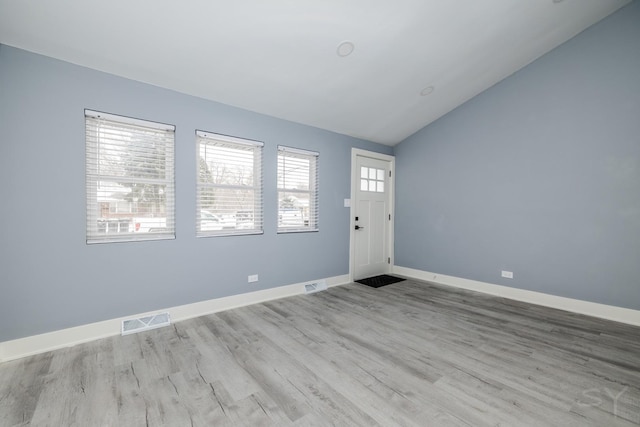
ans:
x=372 y=179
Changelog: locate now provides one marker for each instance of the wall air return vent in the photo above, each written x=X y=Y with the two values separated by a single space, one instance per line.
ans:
x=131 y=326
x=315 y=287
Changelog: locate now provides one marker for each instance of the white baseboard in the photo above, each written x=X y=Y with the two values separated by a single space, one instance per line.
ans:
x=609 y=312
x=36 y=344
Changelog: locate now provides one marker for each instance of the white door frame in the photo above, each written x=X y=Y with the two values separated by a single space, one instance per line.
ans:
x=355 y=153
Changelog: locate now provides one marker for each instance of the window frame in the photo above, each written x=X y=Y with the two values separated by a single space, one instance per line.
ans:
x=313 y=191
x=257 y=216
x=165 y=134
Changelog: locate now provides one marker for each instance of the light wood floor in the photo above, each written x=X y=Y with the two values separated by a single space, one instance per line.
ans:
x=408 y=354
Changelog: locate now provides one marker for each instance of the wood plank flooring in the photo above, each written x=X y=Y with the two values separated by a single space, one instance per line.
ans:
x=408 y=354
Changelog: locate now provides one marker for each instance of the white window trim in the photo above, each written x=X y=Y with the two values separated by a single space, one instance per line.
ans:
x=257 y=187
x=93 y=176
x=313 y=192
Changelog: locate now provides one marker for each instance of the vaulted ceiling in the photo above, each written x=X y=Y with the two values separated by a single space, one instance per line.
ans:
x=373 y=69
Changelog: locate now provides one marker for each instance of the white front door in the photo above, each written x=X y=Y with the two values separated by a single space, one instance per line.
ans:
x=371 y=214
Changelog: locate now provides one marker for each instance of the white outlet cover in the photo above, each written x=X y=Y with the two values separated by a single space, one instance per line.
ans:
x=347 y=203
x=507 y=274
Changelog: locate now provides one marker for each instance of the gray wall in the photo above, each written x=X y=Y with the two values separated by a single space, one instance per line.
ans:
x=539 y=175
x=50 y=279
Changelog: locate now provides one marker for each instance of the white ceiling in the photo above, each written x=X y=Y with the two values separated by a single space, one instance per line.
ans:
x=279 y=57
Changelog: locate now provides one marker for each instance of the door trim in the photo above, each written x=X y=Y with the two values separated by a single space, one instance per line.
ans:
x=355 y=153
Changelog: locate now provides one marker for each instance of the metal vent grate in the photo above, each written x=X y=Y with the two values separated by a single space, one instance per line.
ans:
x=131 y=326
x=315 y=287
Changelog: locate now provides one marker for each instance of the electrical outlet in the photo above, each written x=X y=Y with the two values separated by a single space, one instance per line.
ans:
x=252 y=278
x=507 y=274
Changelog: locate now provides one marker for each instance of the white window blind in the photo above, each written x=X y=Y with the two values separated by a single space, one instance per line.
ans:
x=129 y=179
x=297 y=190
x=229 y=193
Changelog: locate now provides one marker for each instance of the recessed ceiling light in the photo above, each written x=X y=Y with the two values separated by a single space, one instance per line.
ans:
x=345 y=48
x=426 y=91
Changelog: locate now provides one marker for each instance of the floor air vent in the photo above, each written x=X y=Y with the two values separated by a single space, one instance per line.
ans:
x=315 y=287
x=131 y=326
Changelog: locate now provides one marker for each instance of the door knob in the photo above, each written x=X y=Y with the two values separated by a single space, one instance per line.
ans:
x=358 y=227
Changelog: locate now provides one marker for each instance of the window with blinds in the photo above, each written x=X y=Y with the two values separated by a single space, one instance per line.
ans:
x=129 y=179
x=229 y=188
x=297 y=190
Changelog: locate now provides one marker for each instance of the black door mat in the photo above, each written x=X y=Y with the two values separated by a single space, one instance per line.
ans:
x=379 y=281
